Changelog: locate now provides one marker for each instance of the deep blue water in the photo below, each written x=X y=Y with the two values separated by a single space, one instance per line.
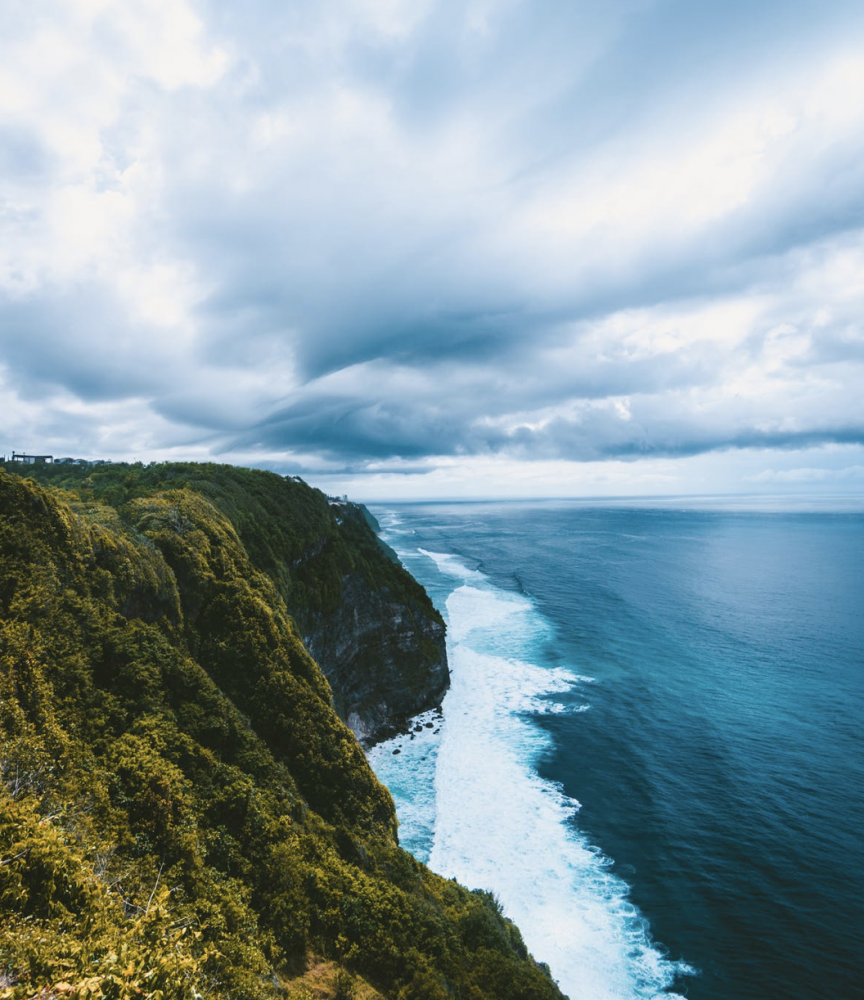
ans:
x=652 y=748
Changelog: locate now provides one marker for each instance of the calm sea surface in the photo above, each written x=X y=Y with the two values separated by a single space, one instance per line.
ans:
x=652 y=747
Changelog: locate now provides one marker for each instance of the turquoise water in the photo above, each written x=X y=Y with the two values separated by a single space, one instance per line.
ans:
x=652 y=747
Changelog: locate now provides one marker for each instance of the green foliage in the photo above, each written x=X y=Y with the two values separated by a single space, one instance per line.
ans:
x=182 y=812
x=65 y=934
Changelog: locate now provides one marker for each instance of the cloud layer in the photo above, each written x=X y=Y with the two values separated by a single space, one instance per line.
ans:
x=379 y=235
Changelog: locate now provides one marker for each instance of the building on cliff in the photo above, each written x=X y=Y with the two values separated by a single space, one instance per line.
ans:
x=31 y=459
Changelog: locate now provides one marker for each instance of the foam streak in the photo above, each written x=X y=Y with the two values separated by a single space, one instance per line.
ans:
x=498 y=826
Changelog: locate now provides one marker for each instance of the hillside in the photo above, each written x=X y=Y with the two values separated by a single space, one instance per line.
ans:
x=183 y=811
x=370 y=626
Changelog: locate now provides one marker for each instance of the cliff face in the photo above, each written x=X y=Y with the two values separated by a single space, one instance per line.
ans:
x=182 y=812
x=383 y=653
x=372 y=628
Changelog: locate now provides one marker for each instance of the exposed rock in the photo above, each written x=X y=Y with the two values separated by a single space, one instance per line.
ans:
x=383 y=653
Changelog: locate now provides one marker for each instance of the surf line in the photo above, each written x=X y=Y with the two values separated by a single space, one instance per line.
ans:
x=495 y=824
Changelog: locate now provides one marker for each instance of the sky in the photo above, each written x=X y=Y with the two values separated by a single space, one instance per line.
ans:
x=417 y=249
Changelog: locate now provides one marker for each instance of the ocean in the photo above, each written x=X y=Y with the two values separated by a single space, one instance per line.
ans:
x=651 y=750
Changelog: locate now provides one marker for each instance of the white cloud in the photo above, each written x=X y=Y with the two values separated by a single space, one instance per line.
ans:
x=384 y=231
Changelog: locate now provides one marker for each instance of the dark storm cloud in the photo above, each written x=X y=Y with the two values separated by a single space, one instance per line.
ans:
x=355 y=435
x=585 y=441
x=564 y=405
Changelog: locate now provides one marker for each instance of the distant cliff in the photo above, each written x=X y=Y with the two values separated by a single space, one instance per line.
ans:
x=182 y=812
x=381 y=645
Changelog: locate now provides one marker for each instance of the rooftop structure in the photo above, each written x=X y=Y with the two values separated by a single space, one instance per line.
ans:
x=32 y=459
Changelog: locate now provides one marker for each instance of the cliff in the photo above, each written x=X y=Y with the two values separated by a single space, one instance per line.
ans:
x=182 y=811
x=381 y=647
x=369 y=625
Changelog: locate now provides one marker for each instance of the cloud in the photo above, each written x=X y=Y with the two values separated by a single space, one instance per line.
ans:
x=810 y=475
x=378 y=232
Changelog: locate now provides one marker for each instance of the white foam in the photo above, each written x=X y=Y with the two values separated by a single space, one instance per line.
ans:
x=497 y=825
x=556 y=708
x=406 y=765
x=451 y=565
x=392 y=524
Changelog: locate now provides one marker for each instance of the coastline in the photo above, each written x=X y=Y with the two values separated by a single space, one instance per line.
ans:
x=489 y=820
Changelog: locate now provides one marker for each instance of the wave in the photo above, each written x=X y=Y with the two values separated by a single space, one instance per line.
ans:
x=472 y=804
x=451 y=565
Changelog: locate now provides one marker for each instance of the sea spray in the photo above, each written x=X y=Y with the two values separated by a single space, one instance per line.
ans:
x=473 y=806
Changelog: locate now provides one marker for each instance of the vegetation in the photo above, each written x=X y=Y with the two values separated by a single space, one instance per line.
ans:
x=182 y=813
